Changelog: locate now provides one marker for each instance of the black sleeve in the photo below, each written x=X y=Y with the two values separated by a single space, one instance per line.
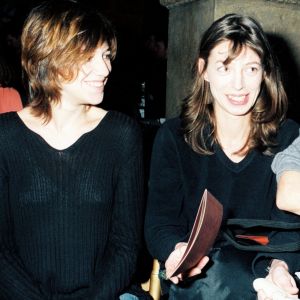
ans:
x=164 y=230
x=116 y=268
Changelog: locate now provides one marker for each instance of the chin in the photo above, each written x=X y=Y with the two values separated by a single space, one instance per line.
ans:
x=96 y=101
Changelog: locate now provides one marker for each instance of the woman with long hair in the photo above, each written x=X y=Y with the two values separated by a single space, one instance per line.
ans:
x=225 y=139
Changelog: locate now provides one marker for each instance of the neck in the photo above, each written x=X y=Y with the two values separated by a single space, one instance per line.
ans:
x=233 y=133
x=66 y=117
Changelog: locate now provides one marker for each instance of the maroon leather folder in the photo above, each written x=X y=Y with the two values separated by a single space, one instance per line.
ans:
x=205 y=230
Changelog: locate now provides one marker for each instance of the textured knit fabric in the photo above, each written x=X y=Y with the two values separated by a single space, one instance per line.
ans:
x=288 y=159
x=10 y=100
x=178 y=177
x=70 y=220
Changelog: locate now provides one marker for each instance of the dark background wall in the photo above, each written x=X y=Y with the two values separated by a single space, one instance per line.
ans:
x=188 y=19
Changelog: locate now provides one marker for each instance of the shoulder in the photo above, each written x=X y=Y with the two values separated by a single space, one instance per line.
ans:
x=8 y=121
x=170 y=130
x=14 y=94
x=170 y=135
x=9 y=130
x=287 y=133
x=122 y=126
x=289 y=124
x=171 y=126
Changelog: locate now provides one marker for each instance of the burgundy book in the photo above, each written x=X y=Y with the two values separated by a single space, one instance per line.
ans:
x=205 y=230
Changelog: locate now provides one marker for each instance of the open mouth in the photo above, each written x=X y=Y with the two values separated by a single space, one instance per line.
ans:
x=238 y=99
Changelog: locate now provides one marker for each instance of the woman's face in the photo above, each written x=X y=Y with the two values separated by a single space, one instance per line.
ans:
x=235 y=86
x=88 y=86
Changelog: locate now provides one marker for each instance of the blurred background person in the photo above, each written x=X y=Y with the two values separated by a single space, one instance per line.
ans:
x=10 y=99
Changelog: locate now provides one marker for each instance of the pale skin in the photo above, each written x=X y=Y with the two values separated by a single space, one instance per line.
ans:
x=235 y=88
x=279 y=276
x=75 y=113
x=174 y=259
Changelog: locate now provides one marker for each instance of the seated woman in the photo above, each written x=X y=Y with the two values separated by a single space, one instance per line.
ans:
x=71 y=173
x=225 y=139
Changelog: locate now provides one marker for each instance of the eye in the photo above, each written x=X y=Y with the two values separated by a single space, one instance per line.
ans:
x=223 y=69
x=252 y=70
x=107 y=55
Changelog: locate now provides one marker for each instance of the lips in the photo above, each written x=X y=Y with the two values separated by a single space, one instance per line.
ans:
x=238 y=99
x=97 y=84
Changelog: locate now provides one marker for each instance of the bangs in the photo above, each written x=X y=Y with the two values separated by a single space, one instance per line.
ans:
x=237 y=46
x=94 y=30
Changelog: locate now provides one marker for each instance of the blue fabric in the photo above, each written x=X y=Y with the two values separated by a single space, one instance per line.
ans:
x=128 y=296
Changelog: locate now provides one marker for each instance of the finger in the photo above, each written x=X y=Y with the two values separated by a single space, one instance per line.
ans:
x=194 y=272
x=288 y=284
x=202 y=263
x=179 y=245
x=279 y=296
x=293 y=282
x=291 y=290
x=258 y=284
x=261 y=295
x=174 y=279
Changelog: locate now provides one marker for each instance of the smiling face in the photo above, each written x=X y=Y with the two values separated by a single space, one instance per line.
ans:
x=88 y=87
x=234 y=86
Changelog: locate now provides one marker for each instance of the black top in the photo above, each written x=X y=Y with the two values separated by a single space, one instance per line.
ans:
x=70 y=220
x=178 y=177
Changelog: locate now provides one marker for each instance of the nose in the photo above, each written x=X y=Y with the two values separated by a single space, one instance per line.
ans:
x=238 y=80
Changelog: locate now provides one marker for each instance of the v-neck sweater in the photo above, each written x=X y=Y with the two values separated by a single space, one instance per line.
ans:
x=179 y=176
x=70 y=220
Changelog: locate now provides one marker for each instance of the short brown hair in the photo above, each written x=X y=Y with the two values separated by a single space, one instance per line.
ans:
x=57 y=38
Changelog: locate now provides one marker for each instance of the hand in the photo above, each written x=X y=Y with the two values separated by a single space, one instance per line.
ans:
x=280 y=276
x=175 y=258
x=279 y=284
x=266 y=290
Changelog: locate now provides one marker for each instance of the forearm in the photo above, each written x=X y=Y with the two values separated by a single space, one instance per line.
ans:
x=165 y=223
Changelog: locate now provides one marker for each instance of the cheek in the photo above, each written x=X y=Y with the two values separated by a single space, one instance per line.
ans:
x=219 y=83
x=85 y=69
x=255 y=85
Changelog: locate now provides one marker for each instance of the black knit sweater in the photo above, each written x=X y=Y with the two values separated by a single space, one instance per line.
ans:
x=179 y=176
x=70 y=220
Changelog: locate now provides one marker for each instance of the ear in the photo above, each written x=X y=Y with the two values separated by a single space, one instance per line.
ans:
x=201 y=64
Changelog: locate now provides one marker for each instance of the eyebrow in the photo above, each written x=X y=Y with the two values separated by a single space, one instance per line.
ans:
x=253 y=63
x=222 y=52
x=248 y=63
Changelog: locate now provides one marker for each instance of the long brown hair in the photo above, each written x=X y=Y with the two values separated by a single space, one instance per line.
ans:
x=57 y=38
x=198 y=120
